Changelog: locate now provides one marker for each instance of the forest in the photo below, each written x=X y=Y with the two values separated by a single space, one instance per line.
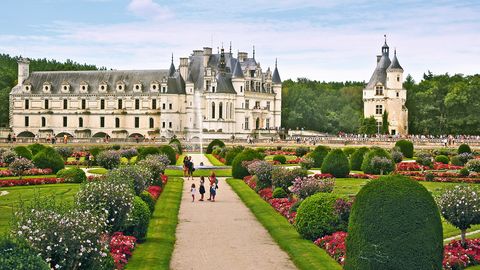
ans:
x=438 y=104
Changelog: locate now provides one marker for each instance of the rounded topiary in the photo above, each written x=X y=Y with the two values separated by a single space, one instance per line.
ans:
x=232 y=153
x=349 y=151
x=394 y=224
x=18 y=255
x=442 y=159
x=72 y=175
x=279 y=193
x=215 y=142
x=356 y=158
x=464 y=148
x=138 y=219
x=406 y=147
x=169 y=152
x=48 y=158
x=301 y=151
x=367 y=166
x=145 y=151
x=336 y=163
x=36 y=148
x=318 y=155
x=116 y=147
x=238 y=171
x=176 y=145
x=148 y=199
x=316 y=216
x=23 y=151
x=280 y=158
x=455 y=160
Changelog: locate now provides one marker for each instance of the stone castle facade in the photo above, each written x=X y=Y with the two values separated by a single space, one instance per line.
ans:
x=215 y=94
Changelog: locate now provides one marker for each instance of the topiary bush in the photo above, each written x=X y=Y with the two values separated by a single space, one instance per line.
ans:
x=473 y=165
x=109 y=159
x=349 y=151
x=318 y=155
x=148 y=199
x=23 y=151
x=301 y=151
x=65 y=152
x=397 y=155
x=279 y=193
x=316 y=216
x=145 y=151
x=442 y=159
x=456 y=161
x=238 y=170
x=367 y=166
x=215 y=142
x=138 y=219
x=406 y=147
x=36 y=148
x=336 y=163
x=72 y=175
x=280 y=158
x=394 y=224
x=464 y=148
x=169 y=152
x=356 y=158
x=232 y=153
x=19 y=256
x=137 y=177
x=49 y=158
x=424 y=158
x=116 y=147
x=176 y=145
x=464 y=172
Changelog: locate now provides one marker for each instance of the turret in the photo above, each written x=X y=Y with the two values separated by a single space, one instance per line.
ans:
x=23 y=70
x=238 y=80
x=171 y=71
x=277 y=89
x=395 y=74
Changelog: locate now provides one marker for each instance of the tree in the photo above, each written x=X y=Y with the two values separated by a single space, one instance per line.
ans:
x=385 y=123
x=368 y=126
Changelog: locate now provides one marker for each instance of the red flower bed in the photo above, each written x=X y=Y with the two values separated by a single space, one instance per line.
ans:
x=279 y=152
x=294 y=161
x=79 y=154
x=409 y=166
x=362 y=176
x=441 y=166
x=265 y=193
x=34 y=171
x=334 y=245
x=75 y=162
x=323 y=175
x=219 y=158
x=121 y=247
x=457 y=257
x=31 y=181
x=155 y=191
x=250 y=182
x=283 y=205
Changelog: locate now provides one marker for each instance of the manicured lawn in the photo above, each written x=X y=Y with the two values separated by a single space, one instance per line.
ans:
x=214 y=160
x=28 y=176
x=303 y=253
x=288 y=157
x=64 y=192
x=180 y=160
x=98 y=171
x=156 y=251
x=198 y=173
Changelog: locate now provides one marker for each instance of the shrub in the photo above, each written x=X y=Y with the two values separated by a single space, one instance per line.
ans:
x=473 y=165
x=279 y=193
x=456 y=161
x=145 y=151
x=8 y=156
x=307 y=163
x=349 y=151
x=356 y=158
x=19 y=256
x=464 y=148
x=215 y=142
x=169 y=152
x=116 y=147
x=460 y=206
x=315 y=216
x=464 y=172
x=465 y=157
x=156 y=164
x=283 y=178
x=128 y=153
x=138 y=219
x=424 y=158
x=64 y=152
x=95 y=150
x=336 y=164
x=20 y=165
x=23 y=151
x=137 y=177
x=232 y=153
x=176 y=144
x=318 y=155
x=36 y=148
x=442 y=159
x=301 y=151
x=397 y=156
x=382 y=209
x=238 y=170
x=280 y=158
x=49 y=158
x=72 y=175
x=406 y=147
x=263 y=171
x=429 y=176
x=381 y=164
x=367 y=161
x=109 y=159
x=112 y=196
x=294 y=207
x=304 y=187
x=148 y=199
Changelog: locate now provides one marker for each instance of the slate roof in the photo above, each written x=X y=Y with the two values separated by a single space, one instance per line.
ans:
x=237 y=71
x=276 y=75
x=380 y=73
x=224 y=84
x=395 y=64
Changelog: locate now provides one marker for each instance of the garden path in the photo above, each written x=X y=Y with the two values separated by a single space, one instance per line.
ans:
x=222 y=234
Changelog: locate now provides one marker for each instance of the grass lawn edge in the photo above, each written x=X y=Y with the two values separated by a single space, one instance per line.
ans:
x=304 y=253
x=214 y=160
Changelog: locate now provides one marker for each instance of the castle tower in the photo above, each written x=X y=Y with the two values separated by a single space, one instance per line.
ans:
x=277 y=90
x=23 y=70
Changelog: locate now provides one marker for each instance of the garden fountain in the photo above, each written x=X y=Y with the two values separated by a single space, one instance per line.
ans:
x=197 y=100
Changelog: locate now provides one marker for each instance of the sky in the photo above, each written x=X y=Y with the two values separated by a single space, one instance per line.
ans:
x=316 y=39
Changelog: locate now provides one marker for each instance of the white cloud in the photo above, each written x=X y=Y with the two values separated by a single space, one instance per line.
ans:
x=148 y=9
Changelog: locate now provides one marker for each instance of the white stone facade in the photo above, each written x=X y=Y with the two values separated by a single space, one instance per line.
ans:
x=232 y=95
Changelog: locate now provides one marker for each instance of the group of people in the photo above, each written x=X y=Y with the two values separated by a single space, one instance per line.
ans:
x=188 y=167
x=213 y=188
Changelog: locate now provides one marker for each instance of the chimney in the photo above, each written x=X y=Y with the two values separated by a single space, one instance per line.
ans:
x=242 y=56
x=23 y=70
x=378 y=58
x=184 y=67
x=207 y=51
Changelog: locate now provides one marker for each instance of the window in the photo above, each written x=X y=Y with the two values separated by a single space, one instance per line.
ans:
x=398 y=94
x=170 y=124
x=45 y=103
x=65 y=104
x=247 y=104
x=246 y=122
x=164 y=106
x=44 y=122
x=241 y=89
x=398 y=78
x=117 y=122
x=213 y=110
x=208 y=85
x=137 y=104
x=268 y=105
x=154 y=104
x=151 y=123
x=102 y=104
x=27 y=121
x=102 y=121
x=27 y=104
x=80 y=122
x=84 y=104
x=170 y=106
x=164 y=89
x=213 y=89
x=257 y=105
x=163 y=124
x=220 y=110
x=65 y=121
x=137 y=122
x=378 y=109
x=120 y=103
x=267 y=123
x=378 y=90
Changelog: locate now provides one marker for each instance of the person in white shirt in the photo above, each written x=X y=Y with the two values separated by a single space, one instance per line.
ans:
x=193 y=190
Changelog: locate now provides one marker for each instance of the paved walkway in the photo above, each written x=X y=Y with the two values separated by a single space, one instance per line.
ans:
x=223 y=235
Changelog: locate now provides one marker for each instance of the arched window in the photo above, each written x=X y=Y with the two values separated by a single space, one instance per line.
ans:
x=231 y=111
x=220 y=110
x=44 y=122
x=80 y=122
x=117 y=122
x=213 y=110
x=151 y=123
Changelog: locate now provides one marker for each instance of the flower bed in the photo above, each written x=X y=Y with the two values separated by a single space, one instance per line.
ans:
x=294 y=161
x=34 y=171
x=219 y=158
x=121 y=248
x=155 y=191
x=279 y=152
x=76 y=162
x=79 y=154
x=334 y=245
x=362 y=176
x=31 y=181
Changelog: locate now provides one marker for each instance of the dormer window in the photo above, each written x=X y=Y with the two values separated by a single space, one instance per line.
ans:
x=137 y=87
x=27 y=88
x=65 y=87
x=120 y=86
x=154 y=86
x=164 y=89
x=47 y=87
x=379 y=90
x=102 y=87
x=84 y=87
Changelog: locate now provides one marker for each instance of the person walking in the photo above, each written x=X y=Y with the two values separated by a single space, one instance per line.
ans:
x=201 y=189
x=213 y=186
x=185 y=166
x=193 y=191
x=191 y=168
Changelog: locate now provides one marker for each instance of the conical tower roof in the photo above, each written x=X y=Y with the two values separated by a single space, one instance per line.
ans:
x=276 y=75
x=237 y=71
x=395 y=64
x=171 y=71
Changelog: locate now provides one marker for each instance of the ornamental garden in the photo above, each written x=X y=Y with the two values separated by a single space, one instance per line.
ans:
x=115 y=207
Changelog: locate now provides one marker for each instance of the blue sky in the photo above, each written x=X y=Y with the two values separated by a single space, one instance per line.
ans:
x=317 y=39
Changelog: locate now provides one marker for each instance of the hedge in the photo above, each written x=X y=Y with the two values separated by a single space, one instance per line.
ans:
x=212 y=144
x=23 y=151
x=367 y=161
x=336 y=163
x=356 y=159
x=406 y=147
x=464 y=148
x=238 y=171
x=49 y=158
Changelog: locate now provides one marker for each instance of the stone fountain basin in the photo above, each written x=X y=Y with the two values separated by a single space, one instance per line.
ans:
x=200 y=167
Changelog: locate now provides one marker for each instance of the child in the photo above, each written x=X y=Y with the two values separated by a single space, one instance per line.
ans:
x=193 y=190
x=202 y=187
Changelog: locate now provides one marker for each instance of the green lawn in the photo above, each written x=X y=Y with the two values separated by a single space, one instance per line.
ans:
x=156 y=251
x=98 y=171
x=63 y=192
x=214 y=160
x=180 y=160
x=28 y=177
x=198 y=173
x=288 y=157
x=303 y=253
